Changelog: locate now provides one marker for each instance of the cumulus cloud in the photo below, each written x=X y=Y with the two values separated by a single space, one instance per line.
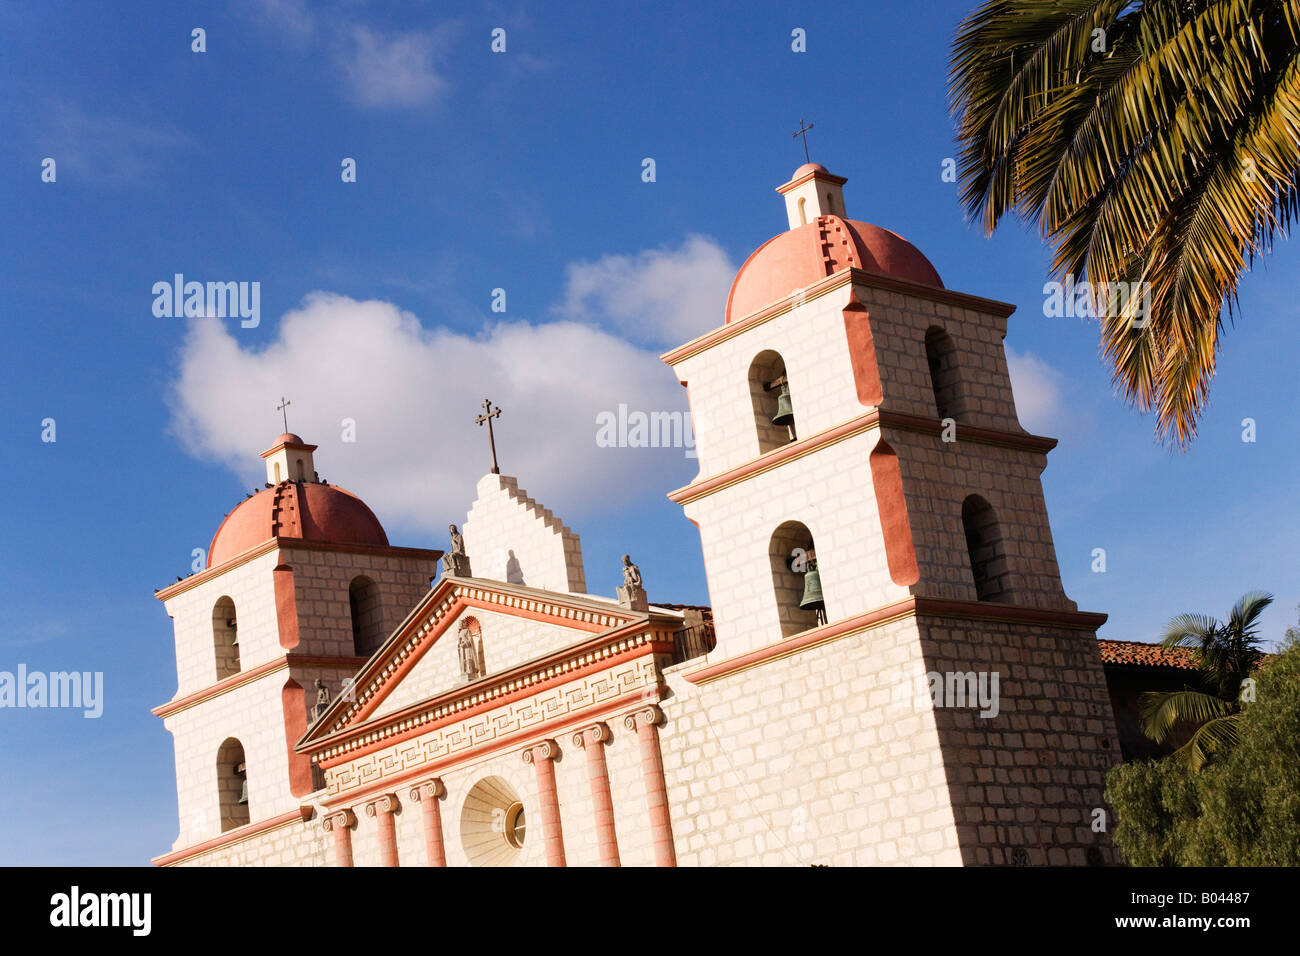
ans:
x=661 y=296
x=413 y=392
x=1037 y=388
x=390 y=71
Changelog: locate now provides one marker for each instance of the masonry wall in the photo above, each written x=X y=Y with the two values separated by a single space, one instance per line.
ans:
x=1031 y=776
x=299 y=844
x=809 y=759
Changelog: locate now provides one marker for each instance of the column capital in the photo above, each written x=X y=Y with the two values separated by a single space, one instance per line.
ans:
x=648 y=716
x=387 y=804
x=338 y=820
x=544 y=750
x=430 y=789
x=597 y=733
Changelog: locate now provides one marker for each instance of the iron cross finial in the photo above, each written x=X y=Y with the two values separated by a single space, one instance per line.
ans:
x=284 y=403
x=803 y=131
x=489 y=413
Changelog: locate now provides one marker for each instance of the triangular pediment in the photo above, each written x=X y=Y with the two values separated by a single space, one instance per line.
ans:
x=508 y=625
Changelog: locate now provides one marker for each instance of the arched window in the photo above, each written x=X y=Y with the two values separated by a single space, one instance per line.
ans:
x=941 y=355
x=367 y=616
x=277 y=473
x=225 y=638
x=803 y=211
x=232 y=785
x=988 y=561
x=773 y=404
x=302 y=472
x=796 y=579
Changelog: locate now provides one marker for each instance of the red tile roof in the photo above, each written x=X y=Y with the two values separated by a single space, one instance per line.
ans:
x=1146 y=655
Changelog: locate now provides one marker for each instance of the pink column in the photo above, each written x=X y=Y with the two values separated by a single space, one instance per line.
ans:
x=542 y=756
x=427 y=794
x=341 y=824
x=382 y=809
x=593 y=741
x=645 y=722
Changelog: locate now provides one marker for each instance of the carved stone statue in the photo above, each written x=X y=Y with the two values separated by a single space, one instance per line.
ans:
x=322 y=701
x=631 y=573
x=632 y=595
x=468 y=653
x=456 y=562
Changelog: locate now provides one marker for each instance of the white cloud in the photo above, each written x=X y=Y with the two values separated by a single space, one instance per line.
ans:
x=1037 y=389
x=660 y=296
x=396 y=70
x=414 y=392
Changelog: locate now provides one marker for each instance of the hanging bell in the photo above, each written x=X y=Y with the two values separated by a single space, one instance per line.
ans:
x=234 y=628
x=784 y=408
x=812 y=591
x=243 y=792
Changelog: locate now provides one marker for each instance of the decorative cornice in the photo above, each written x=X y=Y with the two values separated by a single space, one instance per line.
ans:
x=227 y=684
x=875 y=418
x=301 y=544
x=434 y=615
x=525 y=679
x=819 y=174
x=829 y=284
x=238 y=835
x=887 y=614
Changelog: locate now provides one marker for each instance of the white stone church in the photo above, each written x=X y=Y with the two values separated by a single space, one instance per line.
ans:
x=889 y=672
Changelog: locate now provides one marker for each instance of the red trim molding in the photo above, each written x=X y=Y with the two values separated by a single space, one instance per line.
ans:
x=909 y=607
x=351 y=664
x=237 y=835
x=302 y=544
x=876 y=418
x=843 y=277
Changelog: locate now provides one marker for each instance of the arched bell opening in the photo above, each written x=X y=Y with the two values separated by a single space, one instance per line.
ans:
x=945 y=379
x=225 y=638
x=796 y=579
x=366 y=608
x=986 y=549
x=769 y=389
x=232 y=785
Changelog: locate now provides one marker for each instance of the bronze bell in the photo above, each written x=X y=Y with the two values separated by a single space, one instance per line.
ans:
x=242 y=770
x=784 y=408
x=812 y=591
x=233 y=626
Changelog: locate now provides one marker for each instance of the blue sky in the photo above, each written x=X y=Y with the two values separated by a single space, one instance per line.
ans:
x=479 y=171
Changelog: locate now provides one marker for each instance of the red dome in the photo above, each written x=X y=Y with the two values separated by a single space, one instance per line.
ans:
x=291 y=509
x=807 y=254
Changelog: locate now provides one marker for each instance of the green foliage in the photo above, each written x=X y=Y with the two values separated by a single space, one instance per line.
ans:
x=1243 y=810
x=1154 y=142
x=1227 y=653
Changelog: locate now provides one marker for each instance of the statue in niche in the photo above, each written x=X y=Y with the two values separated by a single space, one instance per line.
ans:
x=456 y=562
x=471 y=667
x=632 y=595
x=322 y=701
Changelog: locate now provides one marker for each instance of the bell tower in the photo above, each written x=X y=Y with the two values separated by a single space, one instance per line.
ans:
x=300 y=586
x=872 y=520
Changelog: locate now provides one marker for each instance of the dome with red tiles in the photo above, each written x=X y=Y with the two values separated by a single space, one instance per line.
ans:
x=819 y=243
x=293 y=509
x=296 y=504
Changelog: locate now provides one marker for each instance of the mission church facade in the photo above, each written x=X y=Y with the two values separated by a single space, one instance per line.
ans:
x=879 y=562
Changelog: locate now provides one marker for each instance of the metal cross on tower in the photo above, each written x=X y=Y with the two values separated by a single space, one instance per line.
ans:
x=490 y=413
x=284 y=403
x=803 y=131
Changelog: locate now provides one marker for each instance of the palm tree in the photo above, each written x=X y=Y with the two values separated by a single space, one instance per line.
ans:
x=1154 y=143
x=1227 y=652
